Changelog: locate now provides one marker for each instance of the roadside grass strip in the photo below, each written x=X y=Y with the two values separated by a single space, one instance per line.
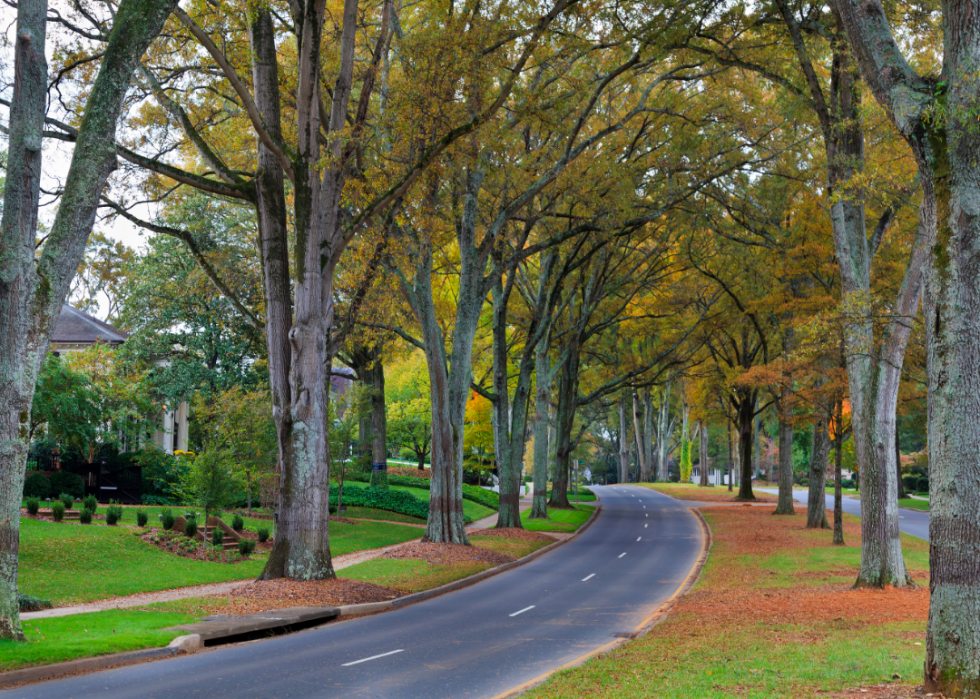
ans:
x=913 y=504
x=773 y=615
x=70 y=564
x=558 y=520
x=87 y=635
x=410 y=575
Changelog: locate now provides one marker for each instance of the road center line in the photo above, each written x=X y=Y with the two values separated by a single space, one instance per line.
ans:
x=373 y=657
x=638 y=538
x=588 y=577
x=645 y=526
x=622 y=554
x=523 y=610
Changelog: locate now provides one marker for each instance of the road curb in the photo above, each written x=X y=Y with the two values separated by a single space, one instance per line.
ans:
x=645 y=626
x=190 y=643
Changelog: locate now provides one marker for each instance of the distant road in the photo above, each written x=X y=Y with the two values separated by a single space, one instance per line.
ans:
x=474 y=643
x=912 y=522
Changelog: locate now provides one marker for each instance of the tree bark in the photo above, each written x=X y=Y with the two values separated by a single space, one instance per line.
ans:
x=624 y=444
x=785 y=505
x=898 y=465
x=567 y=404
x=746 y=416
x=838 y=460
x=641 y=438
x=542 y=406
x=816 y=512
x=703 y=457
x=32 y=289
x=379 y=425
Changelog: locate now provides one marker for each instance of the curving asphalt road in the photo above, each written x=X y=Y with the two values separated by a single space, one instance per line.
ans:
x=477 y=642
x=914 y=522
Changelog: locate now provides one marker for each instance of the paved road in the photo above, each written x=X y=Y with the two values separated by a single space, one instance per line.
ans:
x=477 y=642
x=911 y=522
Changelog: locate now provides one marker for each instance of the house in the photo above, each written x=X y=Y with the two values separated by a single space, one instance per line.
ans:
x=77 y=330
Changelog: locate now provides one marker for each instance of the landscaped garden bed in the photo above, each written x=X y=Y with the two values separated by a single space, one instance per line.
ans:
x=177 y=543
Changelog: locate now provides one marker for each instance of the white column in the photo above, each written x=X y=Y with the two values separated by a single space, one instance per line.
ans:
x=181 y=428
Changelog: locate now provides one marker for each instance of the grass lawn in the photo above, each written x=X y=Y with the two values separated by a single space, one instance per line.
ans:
x=773 y=615
x=374 y=513
x=87 y=635
x=473 y=510
x=558 y=520
x=913 y=504
x=690 y=491
x=70 y=563
x=409 y=575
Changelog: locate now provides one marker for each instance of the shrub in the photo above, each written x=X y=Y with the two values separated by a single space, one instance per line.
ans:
x=90 y=502
x=167 y=519
x=113 y=513
x=65 y=482
x=470 y=492
x=263 y=533
x=332 y=508
x=141 y=518
x=392 y=500
x=190 y=529
x=922 y=485
x=57 y=510
x=33 y=505
x=37 y=485
x=217 y=537
x=29 y=603
x=68 y=500
x=245 y=547
x=85 y=516
x=237 y=523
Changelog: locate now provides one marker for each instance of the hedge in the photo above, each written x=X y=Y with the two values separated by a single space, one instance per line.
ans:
x=392 y=500
x=470 y=492
x=36 y=485
x=70 y=483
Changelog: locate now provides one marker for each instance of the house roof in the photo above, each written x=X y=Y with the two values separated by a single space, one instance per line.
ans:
x=76 y=327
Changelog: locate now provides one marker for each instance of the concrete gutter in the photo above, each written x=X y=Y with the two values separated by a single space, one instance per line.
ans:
x=232 y=629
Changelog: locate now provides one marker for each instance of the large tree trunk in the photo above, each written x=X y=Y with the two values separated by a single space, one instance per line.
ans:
x=641 y=439
x=746 y=416
x=542 y=406
x=785 y=505
x=816 y=512
x=379 y=425
x=32 y=289
x=703 y=458
x=624 y=443
x=567 y=404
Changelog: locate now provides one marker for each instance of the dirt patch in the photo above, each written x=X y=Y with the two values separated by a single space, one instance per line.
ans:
x=447 y=554
x=284 y=593
x=522 y=534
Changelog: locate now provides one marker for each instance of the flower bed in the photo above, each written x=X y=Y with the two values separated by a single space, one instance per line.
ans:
x=177 y=543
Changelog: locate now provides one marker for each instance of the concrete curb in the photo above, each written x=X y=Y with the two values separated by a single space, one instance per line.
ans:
x=195 y=641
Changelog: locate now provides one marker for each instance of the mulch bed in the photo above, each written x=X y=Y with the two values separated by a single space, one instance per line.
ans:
x=177 y=543
x=284 y=593
x=716 y=494
x=447 y=554
x=522 y=534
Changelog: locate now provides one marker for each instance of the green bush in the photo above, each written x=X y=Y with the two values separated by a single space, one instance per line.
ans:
x=190 y=529
x=922 y=484
x=33 y=505
x=68 y=500
x=392 y=500
x=332 y=508
x=263 y=533
x=57 y=510
x=37 y=485
x=217 y=537
x=470 y=492
x=90 y=502
x=113 y=513
x=167 y=520
x=65 y=482
x=237 y=523
x=28 y=603
x=85 y=516
x=141 y=518
x=245 y=547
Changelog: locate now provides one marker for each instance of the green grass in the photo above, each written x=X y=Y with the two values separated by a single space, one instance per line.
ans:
x=473 y=510
x=410 y=575
x=558 y=520
x=913 y=504
x=86 y=635
x=71 y=564
x=374 y=513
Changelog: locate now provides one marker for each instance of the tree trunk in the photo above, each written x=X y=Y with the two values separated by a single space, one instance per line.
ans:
x=898 y=465
x=838 y=460
x=703 y=457
x=33 y=288
x=731 y=455
x=379 y=425
x=542 y=406
x=816 y=512
x=641 y=447
x=785 y=505
x=567 y=403
x=746 y=419
x=624 y=446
